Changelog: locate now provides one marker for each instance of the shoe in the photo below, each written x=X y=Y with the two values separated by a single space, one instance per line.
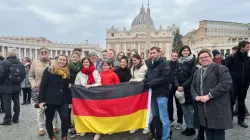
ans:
x=200 y=137
x=53 y=138
x=178 y=126
x=72 y=134
x=64 y=138
x=82 y=134
x=28 y=102
x=5 y=123
x=97 y=136
x=23 y=103
x=191 y=132
x=55 y=130
x=242 y=124
x=185 y=131
x=132 y=131
x=145 y=131
x=41 y=133
x=172 y=123
x=15 y=121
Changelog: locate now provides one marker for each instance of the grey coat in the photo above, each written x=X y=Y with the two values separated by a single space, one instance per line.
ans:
x=217 y=110
x=26 y=81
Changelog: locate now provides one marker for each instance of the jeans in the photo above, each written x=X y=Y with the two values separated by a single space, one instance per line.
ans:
x=171 y=107
x=159 y=106
x=63 y=111
x=7 y=106
x=240 y=91
x=215 y=134
x=188 y=111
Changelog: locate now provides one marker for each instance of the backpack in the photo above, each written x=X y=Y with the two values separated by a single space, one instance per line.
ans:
x=16 y=73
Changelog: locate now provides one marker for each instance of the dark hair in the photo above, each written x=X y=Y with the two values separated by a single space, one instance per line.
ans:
x=27 y=59
x=77 y=49
x=104 y=51
x=235 y=48
x=121 y=52
x=182 y=48
x=107 y=62
x=43 y=48
x=242 y=44
x=126 y=59
x=204 y=51
x=175 y=52
x=137 y=56
x=86 y=58
x=156 y=48
x=112 y=51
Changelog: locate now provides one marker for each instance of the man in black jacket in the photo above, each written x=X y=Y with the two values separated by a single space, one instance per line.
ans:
x=11 y=73
x=1 y=99
x=239 y=66
x=157 y=78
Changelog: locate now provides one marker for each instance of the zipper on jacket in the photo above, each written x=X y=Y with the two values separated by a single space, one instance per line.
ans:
x=243 y=73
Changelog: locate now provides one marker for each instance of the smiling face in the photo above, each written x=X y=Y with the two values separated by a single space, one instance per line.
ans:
x=120 y=55
x=111 y=55
x=185 y=52
x=75 y=58
x=205 y=59
x=86 y=63
x=135 y=61
x=123 y=64
x=62 y=61
x=105 y=67
x=44 y=54
x=174 y=56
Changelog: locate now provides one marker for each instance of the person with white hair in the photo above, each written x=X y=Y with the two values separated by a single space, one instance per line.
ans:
x=12 y=73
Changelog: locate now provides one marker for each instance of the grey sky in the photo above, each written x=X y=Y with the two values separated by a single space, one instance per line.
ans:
x=79 y=20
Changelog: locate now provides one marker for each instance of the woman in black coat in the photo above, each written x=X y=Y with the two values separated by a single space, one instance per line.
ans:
x=183 y=79
x=55 y=95
x=123 y=72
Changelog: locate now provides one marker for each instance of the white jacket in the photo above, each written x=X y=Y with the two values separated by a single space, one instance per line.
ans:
x=138 y=75
x=82 y=79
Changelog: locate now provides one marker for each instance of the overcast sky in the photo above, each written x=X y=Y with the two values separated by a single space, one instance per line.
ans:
x=79 y=20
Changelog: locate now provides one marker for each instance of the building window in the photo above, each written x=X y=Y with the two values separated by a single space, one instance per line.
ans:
x=222 y=52
x=112 y=34
x=228 y=51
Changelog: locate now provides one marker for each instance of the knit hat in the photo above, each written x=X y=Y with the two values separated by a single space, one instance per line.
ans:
x=215 y=52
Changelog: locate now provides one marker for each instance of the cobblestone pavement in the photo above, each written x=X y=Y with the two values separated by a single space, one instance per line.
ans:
x=27 y=129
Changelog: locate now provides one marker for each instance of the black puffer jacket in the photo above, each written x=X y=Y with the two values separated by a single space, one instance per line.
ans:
x=183 y=78
x=6 y=86
x=157 y=78
x=239 y=67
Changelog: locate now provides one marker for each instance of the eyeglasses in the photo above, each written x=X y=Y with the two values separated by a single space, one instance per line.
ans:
x=204 y=57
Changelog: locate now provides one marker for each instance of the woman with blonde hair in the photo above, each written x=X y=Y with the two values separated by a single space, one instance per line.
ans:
x=55 y=95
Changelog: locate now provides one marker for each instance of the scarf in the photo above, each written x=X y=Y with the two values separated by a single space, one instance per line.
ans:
x=217 y=61
x=75 y=67
x=89 y=72
x=62 y=72
x=185 y=59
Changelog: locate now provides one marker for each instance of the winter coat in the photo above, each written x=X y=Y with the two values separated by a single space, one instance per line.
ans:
x=1 y=58
x=36 y=72
x=157 y=78
x=239 y=67
x=183 y=78
x=217 y=110
x=138 y=75
x=26 y=81
x=6 y=87
x=54 y=90
x=123 y=74
x=109 y=77
x=82 y=79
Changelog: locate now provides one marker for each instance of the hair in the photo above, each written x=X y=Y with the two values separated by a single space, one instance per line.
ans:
x=125 y=58
x=235 y=48
x=43 y=48
x=77 y=53
x=112 y=51
x=106 y=61
x=12 y=51
x=104 y=51
x=87 y=58
x=54 y=67
x=175 y=52
x=137 y=56
x=182 y=48
x=204 y=51
x=242 y=44
x=156 y=48
x=27 y=59
x=121 y=52
x=78 y=50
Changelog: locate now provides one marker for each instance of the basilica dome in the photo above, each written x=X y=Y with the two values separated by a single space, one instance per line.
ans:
x=139 y=22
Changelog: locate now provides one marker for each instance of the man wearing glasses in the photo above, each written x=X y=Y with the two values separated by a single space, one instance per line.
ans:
x=35 y=76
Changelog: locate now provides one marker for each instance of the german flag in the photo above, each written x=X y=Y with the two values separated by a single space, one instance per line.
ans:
x=110 y=109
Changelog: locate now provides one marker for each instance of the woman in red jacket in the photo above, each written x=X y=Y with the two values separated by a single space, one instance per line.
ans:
x=108 y=76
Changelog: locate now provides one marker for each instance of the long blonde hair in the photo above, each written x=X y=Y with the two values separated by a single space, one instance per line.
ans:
x=54 y=66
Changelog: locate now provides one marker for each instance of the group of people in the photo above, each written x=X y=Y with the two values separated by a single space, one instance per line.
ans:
x=204 y=87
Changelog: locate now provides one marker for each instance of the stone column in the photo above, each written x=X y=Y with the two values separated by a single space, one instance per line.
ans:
x=139 y=48
x=25 y=52
x=35 y=54
x=30 y=51
x=19 y=53
x=56 y=53
x=51 y=53
x=125 y=49
x=66 y=53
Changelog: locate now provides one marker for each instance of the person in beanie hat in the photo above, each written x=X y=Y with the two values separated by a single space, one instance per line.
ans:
x=217 y=57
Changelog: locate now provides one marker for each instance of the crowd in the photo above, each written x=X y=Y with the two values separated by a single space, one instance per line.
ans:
x=208 y=89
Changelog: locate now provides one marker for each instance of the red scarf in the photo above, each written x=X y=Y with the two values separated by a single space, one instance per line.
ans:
x=217 y=61
x=89 y=72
